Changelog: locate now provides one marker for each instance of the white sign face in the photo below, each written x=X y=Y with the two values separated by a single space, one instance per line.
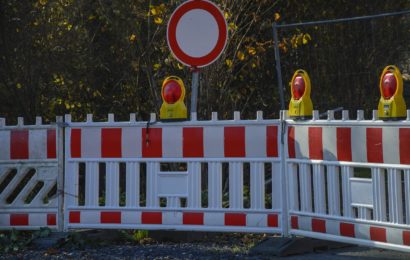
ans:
x=197 y=33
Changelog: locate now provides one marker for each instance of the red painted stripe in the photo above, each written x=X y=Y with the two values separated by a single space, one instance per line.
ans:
x=234 y=141
x=378 y=234
x=273 y=220
x=347 y=230
x=193 y=141
x=315 y=143
x=344 y=144
x=110 y=217
x=406 y=238
x=291 y=142
x=152 y=142
x=51 y=144
x=374 y=143
x=51 y=219
x=191 y=218
x=19 y=144
x=111 y=142
x=404 y=139
x=151 y=218
x=294 y=222
x=74 y=217
x=75 y=145
x=235 y=219
x=318 y=225
x=19 y=219
x=272 y=141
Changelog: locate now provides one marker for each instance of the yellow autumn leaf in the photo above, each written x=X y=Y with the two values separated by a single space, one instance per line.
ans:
x=240 y=55
x=227 y=15
x=232 y=26
x=228 y=63
x=254 y=65
x=157 y=66
x=92 y=17
x=153 y=11
x=18 y=85
x=251 y=50
x=306 y=38
x=133 y=37
x=158 y=20
x=43 y=2
x=180 y=66
x=276 y=17
x=69 y=27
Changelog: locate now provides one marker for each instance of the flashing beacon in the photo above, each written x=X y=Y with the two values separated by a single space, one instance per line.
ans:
x=173 y=95
x=391 y=105
x=300 y=106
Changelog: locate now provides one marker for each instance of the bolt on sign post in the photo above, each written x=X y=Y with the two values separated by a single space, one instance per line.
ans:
x=197 y=34
x=391 y=105
x=173 y=94
x=300 y=106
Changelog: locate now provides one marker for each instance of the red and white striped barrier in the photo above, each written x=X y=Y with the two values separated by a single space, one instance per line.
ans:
x=350 y=144
x=28 y=220
x=175 y=142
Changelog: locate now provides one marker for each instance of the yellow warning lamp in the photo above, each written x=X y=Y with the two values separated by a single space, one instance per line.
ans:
x=391 y=105
x=173 y=94
x=300 y=106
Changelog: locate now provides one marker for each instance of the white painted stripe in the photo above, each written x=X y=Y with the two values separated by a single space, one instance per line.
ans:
x=329 y=143
x=214 y=219
x=4 y=220
x=90 y=142
x=362 y=231
x=37 y=144
x=359 y=148
x=172 y=218
x=214 y=142
x=5 y=145
x=302 y=142
x=255 y=141
x=130 y=217
x=305 y=223
x=333 y=227
x=391 y=145
x=256 y=220
x=37 y=219
x=90 y=217
x=394 y=236
x=131 y=142
x=172 y=142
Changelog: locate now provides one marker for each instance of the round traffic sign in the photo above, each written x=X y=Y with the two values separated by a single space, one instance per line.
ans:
x=197 y=33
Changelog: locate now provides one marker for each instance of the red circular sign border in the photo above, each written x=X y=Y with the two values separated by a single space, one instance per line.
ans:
x=222 y=37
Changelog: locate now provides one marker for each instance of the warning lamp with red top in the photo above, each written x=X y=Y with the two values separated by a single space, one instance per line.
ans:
x=173 y=95
x=391 y=105
x=300 y=106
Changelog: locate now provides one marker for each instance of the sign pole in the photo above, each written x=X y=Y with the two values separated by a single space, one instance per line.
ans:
x=194 y=89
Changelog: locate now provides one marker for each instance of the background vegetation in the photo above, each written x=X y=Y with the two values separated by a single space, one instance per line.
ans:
x=110 y=56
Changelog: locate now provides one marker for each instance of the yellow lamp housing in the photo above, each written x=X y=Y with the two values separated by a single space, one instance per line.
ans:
x=391 y=105
x=300 y=106
x=173 y=94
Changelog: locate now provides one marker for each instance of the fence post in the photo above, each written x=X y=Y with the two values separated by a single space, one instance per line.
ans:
x=278 y=68
x=60 y=172
x=284 y=176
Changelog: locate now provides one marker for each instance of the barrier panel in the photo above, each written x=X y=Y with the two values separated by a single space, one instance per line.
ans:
x=349 y=180
x=180 y=176
x=28 y=175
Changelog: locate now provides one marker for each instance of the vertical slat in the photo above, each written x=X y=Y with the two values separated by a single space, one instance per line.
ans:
x=305 y=178
x=347 y=173
x=277 y=186
x=91 y=183
x=132 y=184
x=194 y=187
x=333 y=190
x=236 y=185
x=407 y=194
x=379 y=194
x=173 y=202
x=257 y=185
x=215 y=185
x=395 y=196
x=293 y=187
x=319 y=188
x=112 y=184
x=364 y=213
x=71 y=185
x=152 y=171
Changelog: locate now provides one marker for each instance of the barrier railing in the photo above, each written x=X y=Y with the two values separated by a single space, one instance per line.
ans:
x=349 y=180
x=183 y=175
x=28 y=175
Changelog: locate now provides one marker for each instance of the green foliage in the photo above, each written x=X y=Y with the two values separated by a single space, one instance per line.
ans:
x=140 y=235
x=15 y=240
